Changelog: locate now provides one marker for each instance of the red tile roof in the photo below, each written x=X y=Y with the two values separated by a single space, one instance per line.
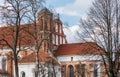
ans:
x=8 y=34
x=78 y=49
x=43 y=57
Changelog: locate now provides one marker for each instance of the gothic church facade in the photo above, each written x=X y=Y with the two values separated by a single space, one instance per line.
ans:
x=56 y=56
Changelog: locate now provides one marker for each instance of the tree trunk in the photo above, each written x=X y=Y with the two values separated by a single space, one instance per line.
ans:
x=16 y=66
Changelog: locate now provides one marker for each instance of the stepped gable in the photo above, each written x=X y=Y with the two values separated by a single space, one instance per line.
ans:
x=78 y=49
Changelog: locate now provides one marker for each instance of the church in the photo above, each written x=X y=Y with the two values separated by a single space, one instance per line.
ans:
x=57 y=58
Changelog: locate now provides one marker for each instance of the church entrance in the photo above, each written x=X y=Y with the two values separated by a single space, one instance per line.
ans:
x=71 y=71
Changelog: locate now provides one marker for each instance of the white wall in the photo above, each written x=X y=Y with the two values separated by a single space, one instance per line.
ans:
x=79 y=58
x=58 y=70
x=28 y=68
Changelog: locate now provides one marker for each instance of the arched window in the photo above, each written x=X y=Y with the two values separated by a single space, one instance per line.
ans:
x=22 y=74
x=71 y=71
x=83 y=70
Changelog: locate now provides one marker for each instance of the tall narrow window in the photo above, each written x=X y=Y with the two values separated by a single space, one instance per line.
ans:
x=83 y=70
x=60 y=29
x=41 y=23
x=22 y=74
x=95 y=70
x=56 y=27
x=45 y=25
x=53 y=38
x=56 y=39
x=64 y=41
x=71 y=71
x=4 y=63
x=61 y=40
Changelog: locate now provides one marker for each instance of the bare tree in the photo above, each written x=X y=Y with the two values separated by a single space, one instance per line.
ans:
x=80 y=70
x=13 y=11
x=102 y=25
x=38 y=34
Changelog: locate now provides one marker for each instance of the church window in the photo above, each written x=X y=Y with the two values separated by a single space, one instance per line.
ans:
x=56 y=39
x=60 y=29
x=95 y=70
x=4 y=63
x=53 y=39
x=46 y=25
x=83 y=70
x=61 y=40
x=56 y=27
x=41 y=22
x=22 y=74
x=71 y=71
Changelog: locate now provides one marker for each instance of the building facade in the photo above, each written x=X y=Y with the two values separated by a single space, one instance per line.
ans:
x=56 y=57
x=80 y=60
x=49 y=30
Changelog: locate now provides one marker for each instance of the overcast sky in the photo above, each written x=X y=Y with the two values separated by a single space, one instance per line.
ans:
x=71 y=11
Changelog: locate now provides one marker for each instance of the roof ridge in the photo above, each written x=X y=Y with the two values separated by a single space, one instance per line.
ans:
x=79 y=43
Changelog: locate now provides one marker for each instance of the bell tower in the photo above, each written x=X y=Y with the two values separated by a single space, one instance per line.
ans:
x=45 y=18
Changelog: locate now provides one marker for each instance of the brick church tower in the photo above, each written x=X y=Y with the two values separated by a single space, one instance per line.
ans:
x=51 y=30
x=45 y=20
